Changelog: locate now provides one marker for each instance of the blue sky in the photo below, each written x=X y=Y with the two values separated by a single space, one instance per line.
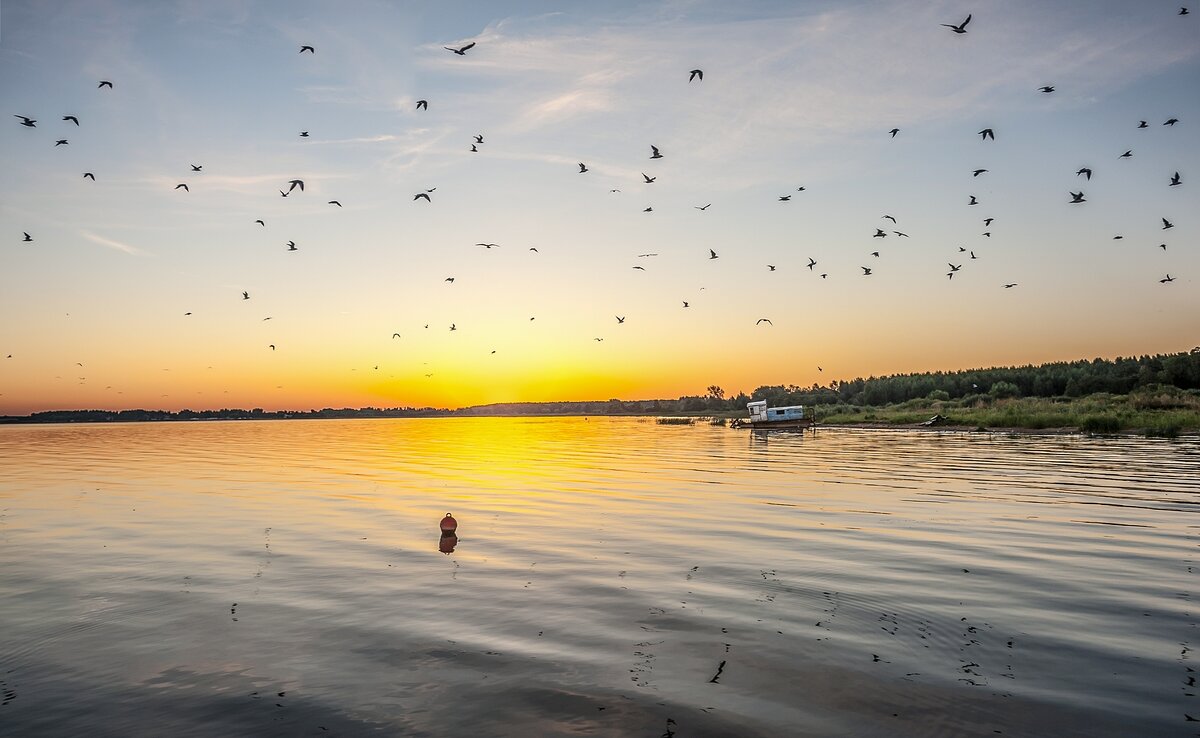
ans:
x=794 y=95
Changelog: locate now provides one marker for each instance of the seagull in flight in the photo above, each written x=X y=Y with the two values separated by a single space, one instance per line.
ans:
x=1077 y=197
x=961 y=27
x=296 y=183
x=654 y=152
x=197 y=167
x=1167 y=224
x=449 y=279
x=894 y=131
x=1126 y=155
x=582 y=167
x=1143 y=124
x=901 y=235
x=71 y=118
x=420 y=195
x=245 y=295
x=978 y=172
x=785 y=198
x=184 y=186
x=27 y=122
x=1047 y=89
x=763 y=320
x=334 y=202
x=61 y=142
x=27 y=238
x=90 y=176
x=422 y=105
x=649 y=180
x=866 y=271
x=879 y=233
x=461 y=51
x=479 y=138
x=1010 y=285
x=1085 y=172
x=292 y=246
x=713 y=254
x=1167 y=279
x=811 y=263
x=282 y=193
x=973 y=201
x=395 y=335
x=1175 y=180
x=706 y=207
x=953 y=268
x=987 y=133
x=104 y=83
x=1171 y=121
x=303 y=134
x=696 y=74
x=620 y=318
x=488 y=245
x=685 y=303
x=309 y=49
x=771 y=267
x=891 y=218
x=261 y=223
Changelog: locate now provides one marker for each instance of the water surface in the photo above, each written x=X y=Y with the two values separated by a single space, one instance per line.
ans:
x=610 y=577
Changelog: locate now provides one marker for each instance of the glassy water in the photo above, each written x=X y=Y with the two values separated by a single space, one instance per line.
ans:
x=610 y=577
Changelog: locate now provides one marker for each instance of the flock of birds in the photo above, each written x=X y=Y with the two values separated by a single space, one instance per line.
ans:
x=297 y=186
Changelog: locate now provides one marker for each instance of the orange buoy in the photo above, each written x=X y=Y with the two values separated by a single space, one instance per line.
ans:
x=449 y=524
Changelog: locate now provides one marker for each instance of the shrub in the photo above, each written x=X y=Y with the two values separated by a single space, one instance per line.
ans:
x=1100 y=424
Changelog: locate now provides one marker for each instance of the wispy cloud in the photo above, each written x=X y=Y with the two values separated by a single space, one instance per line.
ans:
x=113 y=244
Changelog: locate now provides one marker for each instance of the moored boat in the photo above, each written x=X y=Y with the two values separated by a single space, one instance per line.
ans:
x=772 y=418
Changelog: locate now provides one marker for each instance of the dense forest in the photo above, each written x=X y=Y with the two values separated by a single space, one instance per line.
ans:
x=1120 y=376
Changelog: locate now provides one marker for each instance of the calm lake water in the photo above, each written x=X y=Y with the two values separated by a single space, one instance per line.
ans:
x=611 y=577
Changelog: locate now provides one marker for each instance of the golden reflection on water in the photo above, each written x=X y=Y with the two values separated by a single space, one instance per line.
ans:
x=598 y=562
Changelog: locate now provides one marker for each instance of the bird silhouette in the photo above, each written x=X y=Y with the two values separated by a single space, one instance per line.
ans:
x=901 y=235
x=282 y=193
x=395 y=335
x=973 y=256
x=894 y=131
x=1183 y=11
x=875 y=254
x=1010 y=285
x=811 y=263
x=261 y=223
x=90 y=176
x=706 y=207
x=474 y=150
x=973 y=201
x=422 y=195
x=978 y=172
x=641 y=269
x=961 y=27
x=291 y=246
x=1047 y=89
x=648 y=210
x=785 y=198
x=462 y=50
x=104 y=83
x=1077 y=197
x=866 y=271
x=453 y=327
x=489 y=245
x=620 y=318
x=987 y=133
x=449 y=279
x=61 y=142
x=245 y=295
x=1175 y=180
x=891 y=218
x=1167 y=224
x=184 y=186
x=422 y=105
x=197 y=167
x=879 y=233
x=1085 y=172
x=1171 y=121
x=763 y=320
x=1143 y=124
x=954 y=268
x=272 y=347
x=696 y=74
x=27 y=238
x=1126 y=155
x=479 y=138
x=334 y=202
x=71 y=118
x=987 y=221
x=27 y=122
x=582 y=167
x=654 y=154
x=303 y=134
x=771 y=267
x=712 y=254
x=685 y=303
x=309 y=49
x=1167 y=279
x=649 y=180
x=296 y=183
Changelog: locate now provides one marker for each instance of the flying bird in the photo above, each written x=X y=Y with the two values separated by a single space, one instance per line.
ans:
x=296 y=183
x=27 y=238
x=987 y=133
x=479 y=138
x=648 y=210
x=771 y=267
x=395 y=335
x=1167 y=279
x=649 y=180
x=953 y=268
x=811 y=263
x=474 y=150
x=449 y=279
x=763 y=320
x=706 y=207
x=89 y=175
x=291 y=246
x=184 y=186
x=620 y=318
x=334 y=202
x=1171 y=121
x=1183 y=11
x=1143 y=124
x=1126 y=155
x=422 y=105
x=272 y=347
x=712 y=254
x=1085 y=172
x=488 y=245
x=197 y=167
x=1175 y=180
x=891 y=218
x=640 y=268
x=61 y=142
x=866 y=271
x=582 y=167
x=420 y=195
x=875 y=254
x=685 y=303
x=901 y=235
x=1047 y=89
x=245 y=295
x=785 y=198
x=1167 y=224
x=452 y=327
x=462 y=51
x=978 y=172
x=309 y=49
x=987 y=222
x=104 y=83
x=973 y=201
x=303 y=134
x=696 y=74
x=1010 y=285
x=282 y=193
x=894 y=131
x=1077 y=197
x=27 y=122
x=879 y=233
x=71 y=118
x=261 y=223
x=654 y=152
x=961 y=27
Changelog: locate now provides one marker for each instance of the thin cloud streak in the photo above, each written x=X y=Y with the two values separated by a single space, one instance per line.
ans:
x=113 y=244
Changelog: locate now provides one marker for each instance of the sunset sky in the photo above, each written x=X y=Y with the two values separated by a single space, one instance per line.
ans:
x=94 y=309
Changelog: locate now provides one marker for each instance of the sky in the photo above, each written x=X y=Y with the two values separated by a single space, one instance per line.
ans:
x=130 y=293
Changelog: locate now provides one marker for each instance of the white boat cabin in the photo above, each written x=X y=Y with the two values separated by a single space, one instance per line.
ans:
x=760 y=413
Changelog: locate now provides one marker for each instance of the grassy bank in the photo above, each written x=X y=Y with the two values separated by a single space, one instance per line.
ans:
x=1164 y=412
